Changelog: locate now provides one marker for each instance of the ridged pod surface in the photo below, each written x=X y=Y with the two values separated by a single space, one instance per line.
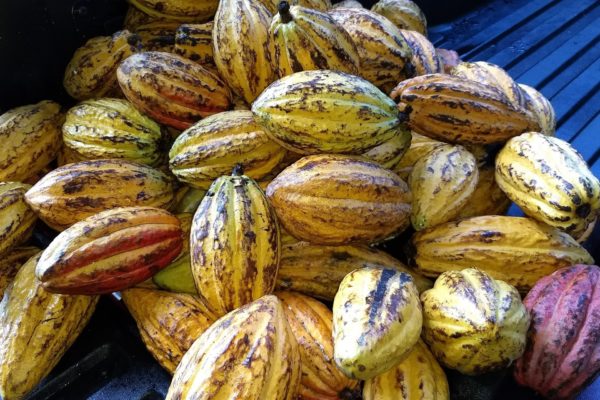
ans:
x=376 y=321
x=405 y=14
x=441 y=184
x=30 y=138
x=563 y=347
x=517 y=250
x=36 y=329
x=313 y=112
x=235 y=244
x=335 y=199
x=113 y=128
x=11 y=262
x=420 y=146
x=178 y=10
x=311 y=323
x=110 y=251
x=474 y=323
x=487 y=199
x=306 y=39
x=419 y=376
x=549 y=180
x=16 y=218
x=389 y=153
x=317 y=271
x=91 y=73
x=76 y=191
x=457 y=110
x=249 y=354
x=242 y=47
x=424 y=58
x=194 y=41
x=169 y=323
x=384 y=54
x=171 y=89
x=157 y=35
x=213 y=146
x=541 y=108
x=319 y=5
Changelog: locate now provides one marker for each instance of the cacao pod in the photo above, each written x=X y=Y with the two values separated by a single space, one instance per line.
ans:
x=313 y=112
x=250 y=351
x=36 y=329
x=158 y=35
x=319 y=5
x=424 y=56
x=335 y=199
x=517 y=250
x=583 y=236
x=11 y=262
x=487 y=199
x=178 y=10
x=389 y=153
x=16 y=218
x=194 y=41
x=348 y=4
x=449 y=58
x=188 y=199
x=134 y=18
x=541 y=108
x=405 y=14
x=420 y=146
x=376 y=321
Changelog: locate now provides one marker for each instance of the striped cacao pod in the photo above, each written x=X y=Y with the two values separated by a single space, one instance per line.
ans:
x=516 y=250
x=171 y=89
x=457 y=110
x=178 y=10
x=389 y=153
x=11 y=262
x=563 y=347
x=474 y=323
x=420 y=146
x=16 y=218
x=405 y=14
x=36 y=329
x=251 y=349
x=158 y=35
x=348 y=4
x=549 y=180
x=135 y=18
x=376 y=321
x=541 y=108
x=30 y=139
x=319 y=5
x=194 y=41
x=313 y=112
x=110 y=251
x=487 y=199
x=213 y=146
x=424 y=58
x=334 y=200
x=76 y=191
x=311 y=323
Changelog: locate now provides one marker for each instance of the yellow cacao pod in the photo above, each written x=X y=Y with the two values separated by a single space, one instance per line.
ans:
x=405 y=14
x=376 y=321
x=314 y=112
x=348 y=4
x=424 y=56
x=91 y=73
x=516 y=250
x=319 y=5
x=251 y=350
x=213 y=146
x=335 y=199
x=11 y=262
x=389 y=153
x=135 y=18
x=549 y=180
x=384 y=54
x=36 y=329
x=317 y=271
x=311 y=323
x=30 y=139
x=158 y=35
x=457 y=110
x=178 y=10
x=441 y=184
x=419 y=376
x=474 y=323
x=194 y=41
x=541 y=108
x=188 y=200
x=169 y=323
x=16 y=218
x=420 y=146
x=76 y=191
x=487 y=199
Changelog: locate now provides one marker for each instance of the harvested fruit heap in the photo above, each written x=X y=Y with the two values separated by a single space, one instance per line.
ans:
x=232 y=165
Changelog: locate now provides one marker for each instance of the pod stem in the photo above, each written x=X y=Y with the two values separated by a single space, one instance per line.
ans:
x=238 y=170
x=284 y=11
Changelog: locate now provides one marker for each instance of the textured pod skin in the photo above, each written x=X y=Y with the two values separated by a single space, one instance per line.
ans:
x=36 y=329
x=169 y=323
x=487 y=199
x=319 y=5
x=449 y=58
x=420 y=146
x=456 y=110
x=16 y=218
x=383 y=52
x=563 y=348
x=11 y=262
x=348 y=4
x=178 y=10
x=389 y=153
x=135 y=18
x=405 y=14
x=317 y=271
x=313 y=112
x=441 y=184
x=189 y=200
x=549 y=180
x=541 y=108
x=213 y=146
x=76 y=191
x=419 y=376
x=194 y=41
x=474 y=323
x=110 y=251
x=335 y=199
x=30 y=139
x=235 y=244
x=242 y=47
x=157 y=35
x=424 y=58
x=516 y=250
x=112 y=128
x=91 y=73
x=250 y=354
x=171 y=89
x=306 y=39
x=311 y=323
x=376 y=321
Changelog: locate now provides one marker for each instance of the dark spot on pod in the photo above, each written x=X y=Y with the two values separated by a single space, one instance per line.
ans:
x=342 y=256
x=583 y=211
x=379 y=293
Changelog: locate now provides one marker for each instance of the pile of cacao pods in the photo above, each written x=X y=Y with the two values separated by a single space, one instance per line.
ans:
x=233 y=167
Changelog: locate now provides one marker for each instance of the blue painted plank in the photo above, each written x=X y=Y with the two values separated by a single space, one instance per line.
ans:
x=580 y=118
x=588 y=140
